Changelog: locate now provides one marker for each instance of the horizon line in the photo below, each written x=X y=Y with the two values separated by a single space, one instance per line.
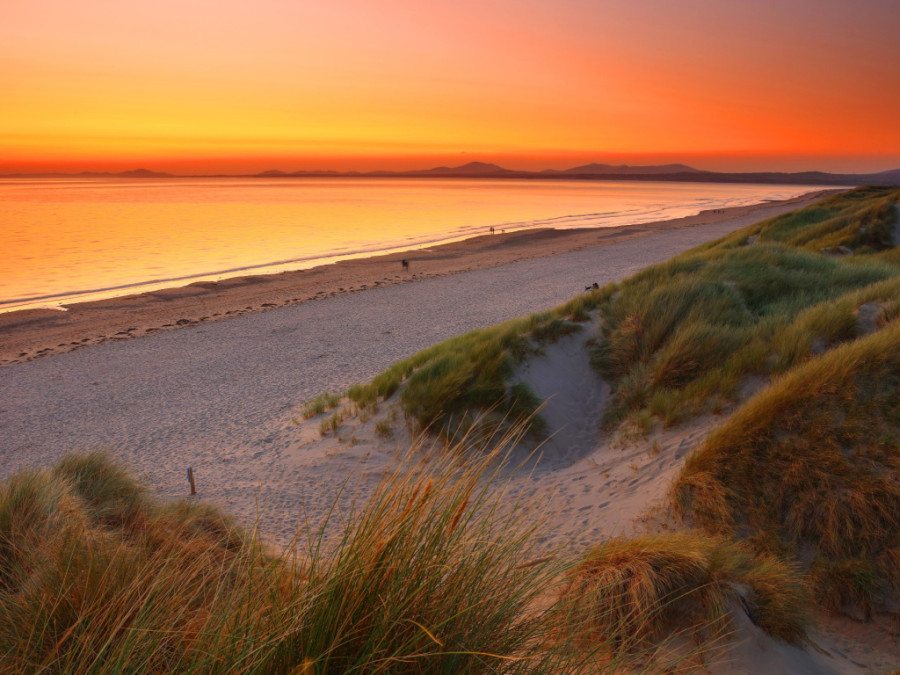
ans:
x=471 y=169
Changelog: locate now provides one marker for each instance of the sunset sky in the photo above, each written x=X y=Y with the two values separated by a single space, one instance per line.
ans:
x=238 y=85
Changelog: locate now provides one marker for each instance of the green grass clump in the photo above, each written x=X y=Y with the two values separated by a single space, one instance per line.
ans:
x=96 y=577
x=465 y=381
x=810 y=466
x=552 y=330
x=859 y=219
x=437 y=572
x=384 y=429
x=429 y=577
x=330 y=424
x=320 y=404
x=684 y=333
x=640 y=593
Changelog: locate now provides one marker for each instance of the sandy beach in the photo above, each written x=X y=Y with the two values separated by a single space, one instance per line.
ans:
x=223 y=396
x=163 y=389
x=171 y=389
x=29 y=334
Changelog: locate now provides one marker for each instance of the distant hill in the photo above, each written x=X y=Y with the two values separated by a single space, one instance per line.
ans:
x=142 y=173
x=624 y=169
x=470 y=169
x=893 y=176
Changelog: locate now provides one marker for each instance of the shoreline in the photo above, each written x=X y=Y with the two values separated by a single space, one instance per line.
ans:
x=30 y=334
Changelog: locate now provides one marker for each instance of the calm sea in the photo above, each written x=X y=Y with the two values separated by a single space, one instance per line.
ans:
x=76 y=239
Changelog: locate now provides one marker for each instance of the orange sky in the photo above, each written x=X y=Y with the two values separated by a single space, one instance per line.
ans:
x=231 y=86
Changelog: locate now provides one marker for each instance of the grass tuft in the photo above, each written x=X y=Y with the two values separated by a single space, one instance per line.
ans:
x=384 y=429
x=450 y=386
x=637 y=594
x=427 y=575
x=320 y=404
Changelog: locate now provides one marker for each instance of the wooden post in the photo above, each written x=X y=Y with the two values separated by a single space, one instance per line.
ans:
x=191 y=479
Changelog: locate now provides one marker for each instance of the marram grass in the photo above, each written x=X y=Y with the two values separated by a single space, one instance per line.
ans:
x=435 y=573
x=637 y=594
x=463 y=383
x=679 y=338
x=811 y=466
x=806 y=304
x=438 y=571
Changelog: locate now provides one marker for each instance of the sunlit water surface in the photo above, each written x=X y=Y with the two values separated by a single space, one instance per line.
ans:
x=66 y=240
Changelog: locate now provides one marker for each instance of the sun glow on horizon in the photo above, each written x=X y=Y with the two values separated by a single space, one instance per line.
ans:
x=102 y=84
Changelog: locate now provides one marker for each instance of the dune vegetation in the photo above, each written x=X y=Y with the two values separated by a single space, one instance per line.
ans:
x=465 y=381
x=633 y=595
x=804 y=308
x=680 y=338
x=810 y=468
x=429 y=575
x=800 y=308
x=437 y=571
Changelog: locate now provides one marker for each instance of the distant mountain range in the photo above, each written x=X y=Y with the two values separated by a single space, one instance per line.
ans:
x=484 y=170
x=135 y=173
x=593 y=171
x=624 y=170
